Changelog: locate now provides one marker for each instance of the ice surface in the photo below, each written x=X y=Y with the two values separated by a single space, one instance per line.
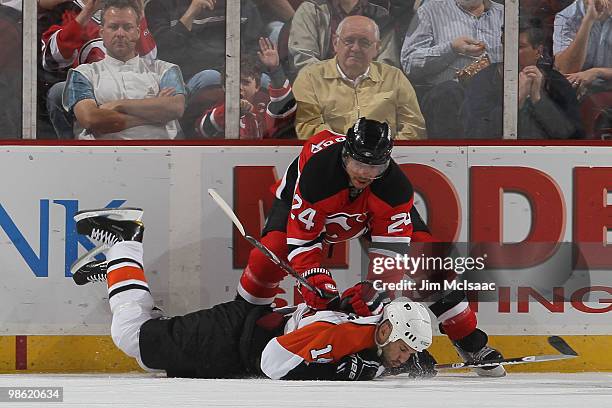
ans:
x=589 y=390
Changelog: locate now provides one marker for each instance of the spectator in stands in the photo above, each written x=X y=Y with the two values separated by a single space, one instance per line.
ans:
x=191 y=34
x=548 y=108
x=125 y=96
x=582 y=44
x=544 y=10
x=14 y=4
x=262 y=115
x=10 y=69
x=450 y=36
x=275 y=14
x=333 y=94
x=315 y=21
x=76 y=40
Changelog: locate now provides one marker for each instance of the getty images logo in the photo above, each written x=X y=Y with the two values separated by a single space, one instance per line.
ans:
x=39 y=263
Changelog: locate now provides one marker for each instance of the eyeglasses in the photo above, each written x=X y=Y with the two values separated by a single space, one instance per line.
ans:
x=362 y=42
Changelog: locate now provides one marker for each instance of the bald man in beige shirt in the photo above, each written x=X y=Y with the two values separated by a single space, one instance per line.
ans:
x=334 y=93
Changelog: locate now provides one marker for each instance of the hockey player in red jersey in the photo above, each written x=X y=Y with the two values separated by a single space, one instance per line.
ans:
x=343 y=187
x=238 y=338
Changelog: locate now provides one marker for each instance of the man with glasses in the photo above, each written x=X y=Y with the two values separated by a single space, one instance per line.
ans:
x=343 y=187
x=316 y=21
x=333 y=94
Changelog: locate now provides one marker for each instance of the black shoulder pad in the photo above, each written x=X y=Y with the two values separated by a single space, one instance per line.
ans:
x=393 y=188
x=323 y=175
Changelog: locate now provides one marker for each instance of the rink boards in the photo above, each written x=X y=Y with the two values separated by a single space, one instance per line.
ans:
x=193 y=261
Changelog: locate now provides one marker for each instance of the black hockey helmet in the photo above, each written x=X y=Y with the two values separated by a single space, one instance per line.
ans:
x=368 y=141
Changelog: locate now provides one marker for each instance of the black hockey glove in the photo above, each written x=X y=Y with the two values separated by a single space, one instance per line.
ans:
x=418 y=365
x=356 y=367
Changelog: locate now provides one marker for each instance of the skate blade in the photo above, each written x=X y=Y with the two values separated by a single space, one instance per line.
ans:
x=498 y=371
x=117 y=214
x=88 y=257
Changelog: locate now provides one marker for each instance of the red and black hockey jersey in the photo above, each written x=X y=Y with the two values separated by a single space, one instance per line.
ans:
x=272 y=112
x=318 y=188
x=68 y=44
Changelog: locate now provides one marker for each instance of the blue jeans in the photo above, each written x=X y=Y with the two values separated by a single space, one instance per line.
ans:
x=210 y=77
x=60 y=119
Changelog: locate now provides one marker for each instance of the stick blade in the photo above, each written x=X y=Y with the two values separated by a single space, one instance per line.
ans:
x=226 y=209
x=561 y=346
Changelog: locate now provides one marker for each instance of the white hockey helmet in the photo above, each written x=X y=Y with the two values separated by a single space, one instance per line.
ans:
x=411 y=323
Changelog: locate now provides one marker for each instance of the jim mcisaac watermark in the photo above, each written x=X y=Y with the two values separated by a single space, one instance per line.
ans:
x=418 y=267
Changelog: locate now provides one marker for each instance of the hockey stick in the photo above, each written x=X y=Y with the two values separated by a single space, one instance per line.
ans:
x=271 y=255
x=555 y=341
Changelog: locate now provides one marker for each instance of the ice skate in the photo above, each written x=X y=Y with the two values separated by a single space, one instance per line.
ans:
x=111 y=225
x=474 y=348
x=88 y=269
x=94 y=271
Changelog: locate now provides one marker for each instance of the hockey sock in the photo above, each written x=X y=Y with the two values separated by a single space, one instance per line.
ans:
x=125 y=274
x=454 y=313
x=260 y=280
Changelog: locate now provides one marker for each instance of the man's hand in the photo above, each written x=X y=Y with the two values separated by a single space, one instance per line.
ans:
x=418 y=365
x=583 y=79
x=113 y=105
x=524 y=88
x=319 y=278
x=362 y=299
x=356 y=367
x=194 y=9
x=537 y=82
x=245 y=107
x=92 y=5
x=167 y=92
x=89 y=9
x=197 y=6
x=596 y=9
x=468 y=46
x=268 y=55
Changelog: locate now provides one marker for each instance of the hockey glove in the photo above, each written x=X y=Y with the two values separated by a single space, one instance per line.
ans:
x=363 y=299
x=357 y=367
x=319 y=278
x=418 y=365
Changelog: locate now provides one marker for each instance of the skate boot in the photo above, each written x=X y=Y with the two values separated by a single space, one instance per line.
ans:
x=473 y=348
x=88 y=269
x=111 y=225
x=94 y=271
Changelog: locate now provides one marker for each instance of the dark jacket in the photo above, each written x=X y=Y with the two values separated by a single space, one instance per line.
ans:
x=204 y=46
x=555 y=116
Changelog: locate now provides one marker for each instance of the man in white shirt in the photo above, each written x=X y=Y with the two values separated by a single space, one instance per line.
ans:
x=582 y=43
x=124 y=96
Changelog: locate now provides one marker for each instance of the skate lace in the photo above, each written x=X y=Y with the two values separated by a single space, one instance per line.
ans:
x=481 y=354
x=97 y=277
x=106 y=237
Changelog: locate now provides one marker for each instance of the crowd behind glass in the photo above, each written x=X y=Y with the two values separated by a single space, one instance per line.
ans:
x=432 y=69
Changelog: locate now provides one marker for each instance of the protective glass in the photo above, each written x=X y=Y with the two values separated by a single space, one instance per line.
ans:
x=368 y=171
